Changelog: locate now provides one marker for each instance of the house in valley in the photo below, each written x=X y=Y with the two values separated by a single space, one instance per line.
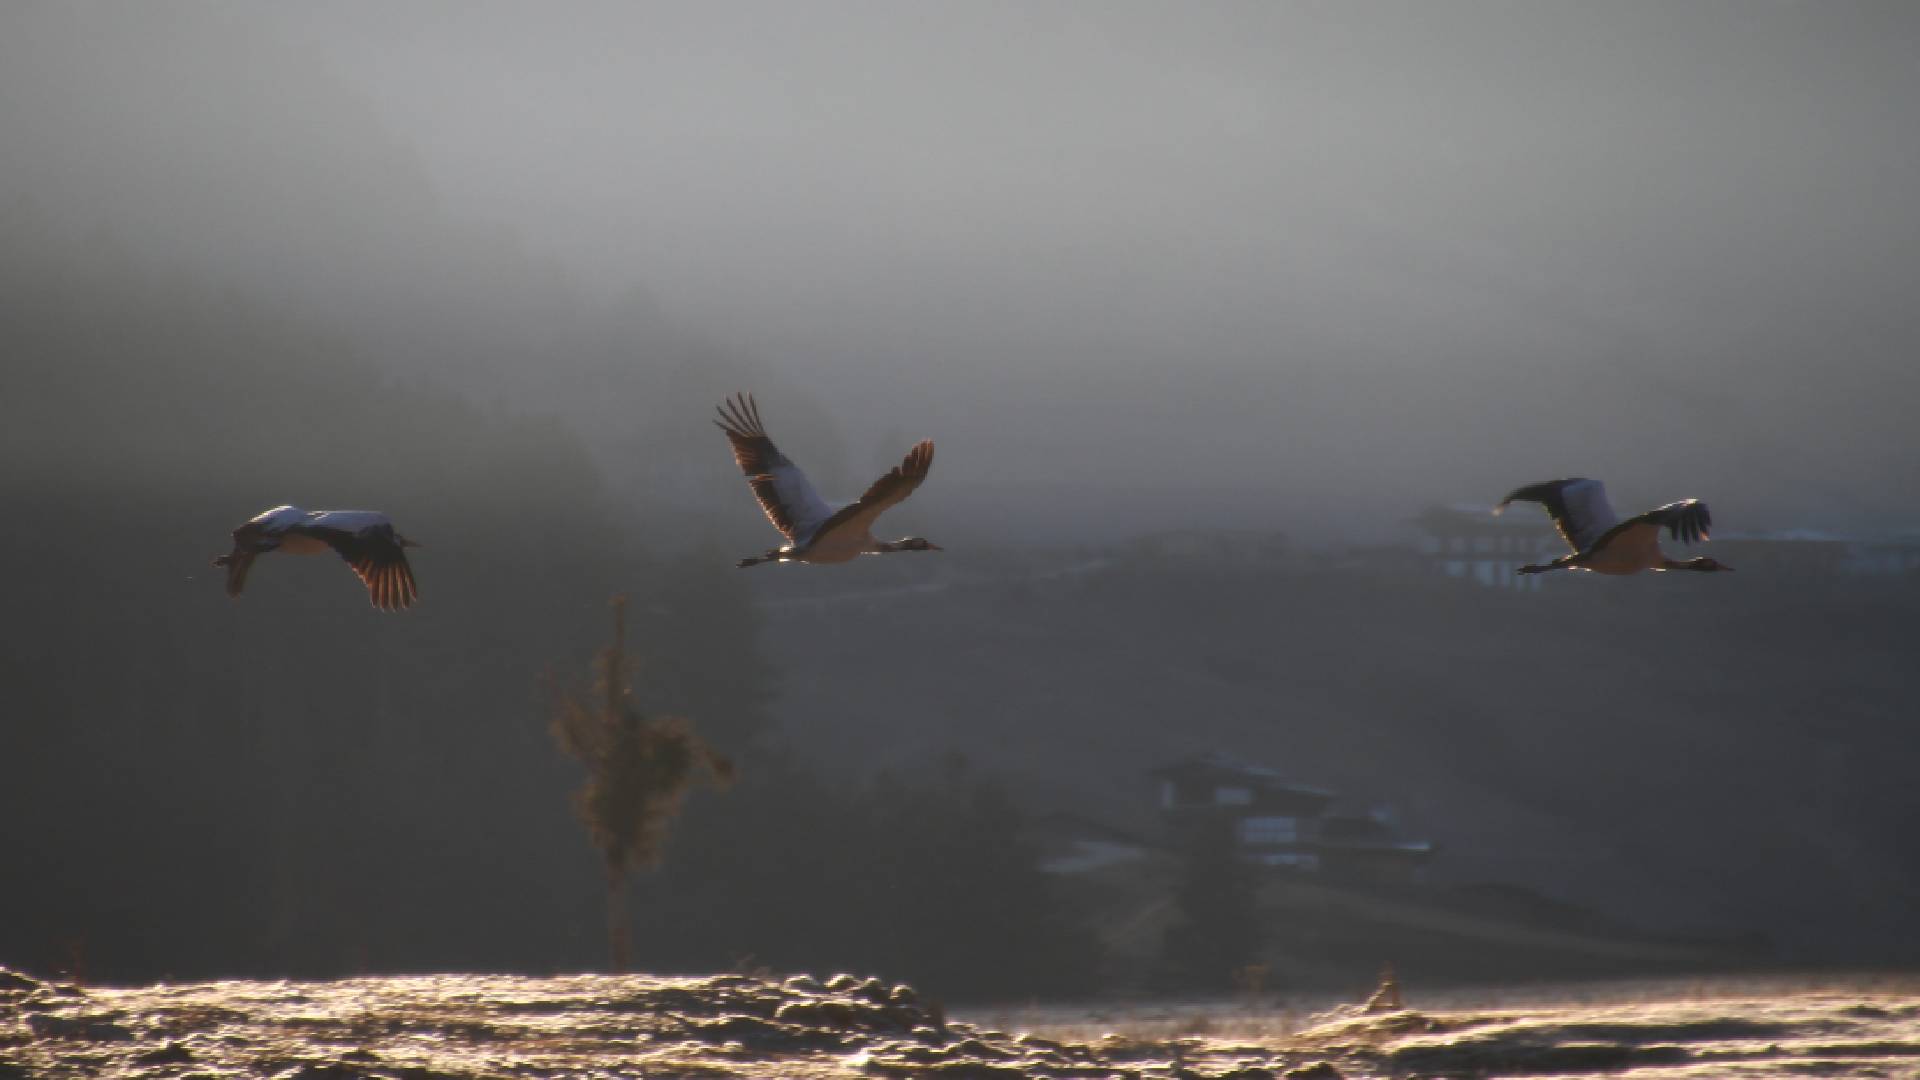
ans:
x=1279 y=823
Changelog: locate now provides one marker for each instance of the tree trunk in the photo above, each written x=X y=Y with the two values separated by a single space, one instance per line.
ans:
x=619 y=924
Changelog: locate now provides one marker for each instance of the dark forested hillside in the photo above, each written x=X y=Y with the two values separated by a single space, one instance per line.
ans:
x=1692 y=753
x=289 y=779
x=294 y=783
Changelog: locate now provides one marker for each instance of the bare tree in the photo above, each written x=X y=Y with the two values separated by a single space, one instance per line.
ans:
x=639 y=771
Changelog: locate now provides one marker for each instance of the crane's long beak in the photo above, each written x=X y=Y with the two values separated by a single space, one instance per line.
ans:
x=406 y=543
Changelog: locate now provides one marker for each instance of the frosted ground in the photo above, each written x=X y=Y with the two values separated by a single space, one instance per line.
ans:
x=465 y=1027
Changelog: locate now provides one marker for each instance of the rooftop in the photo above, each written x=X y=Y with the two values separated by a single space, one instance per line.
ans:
x=1216 y=766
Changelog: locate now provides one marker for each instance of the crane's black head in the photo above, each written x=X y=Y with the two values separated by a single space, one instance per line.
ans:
x=1705 y=563
x=913 y=543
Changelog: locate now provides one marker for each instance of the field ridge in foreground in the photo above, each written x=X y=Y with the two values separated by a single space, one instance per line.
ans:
x=466 y=1027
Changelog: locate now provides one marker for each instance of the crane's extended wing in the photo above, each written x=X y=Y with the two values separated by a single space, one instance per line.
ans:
x=372 y=550
x=237 y=564
x=1578 y=506
x=889 y=490
x=1687 y=521
x=785 y=493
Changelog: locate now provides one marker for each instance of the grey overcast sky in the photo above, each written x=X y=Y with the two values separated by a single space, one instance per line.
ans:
x=1297 y=265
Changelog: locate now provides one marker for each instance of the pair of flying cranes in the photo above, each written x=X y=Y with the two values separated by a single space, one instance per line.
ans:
x=818 y=533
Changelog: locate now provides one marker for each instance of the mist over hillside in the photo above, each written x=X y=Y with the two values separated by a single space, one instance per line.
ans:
x=1449 y=249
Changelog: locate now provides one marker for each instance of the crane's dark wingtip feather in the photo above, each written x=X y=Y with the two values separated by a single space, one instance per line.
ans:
x=1539 y=491
x=918 y=460
x=740 y=417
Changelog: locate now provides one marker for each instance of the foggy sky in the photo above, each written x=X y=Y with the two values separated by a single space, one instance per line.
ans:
x=1307 y=266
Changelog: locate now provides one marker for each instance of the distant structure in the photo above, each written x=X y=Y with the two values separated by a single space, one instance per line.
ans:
x=1467 y=541
x=1282 y=824
x=1068 y=843
x=1898 y=554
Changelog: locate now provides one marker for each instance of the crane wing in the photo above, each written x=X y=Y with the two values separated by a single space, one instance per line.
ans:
x=272 y=522
x=1578 y=506
x=237 y=565
x=785 y=493
x=1687 y=521
x=889 y=490
x=375 y=555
